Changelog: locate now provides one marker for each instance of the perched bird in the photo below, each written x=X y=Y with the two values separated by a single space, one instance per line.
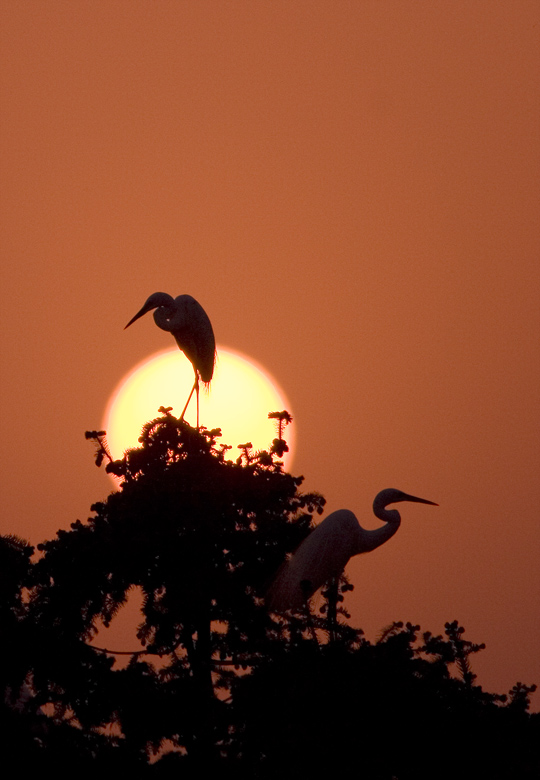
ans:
x=326 y=551
x=188 y=322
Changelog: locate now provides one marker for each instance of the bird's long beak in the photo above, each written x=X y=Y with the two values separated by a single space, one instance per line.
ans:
x=418 y=500
x=140 y=313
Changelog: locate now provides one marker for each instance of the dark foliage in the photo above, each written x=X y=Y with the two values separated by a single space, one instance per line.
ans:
x=224 y=683
x=388 y=710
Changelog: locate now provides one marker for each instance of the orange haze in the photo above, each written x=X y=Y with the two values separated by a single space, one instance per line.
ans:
x=351 y=192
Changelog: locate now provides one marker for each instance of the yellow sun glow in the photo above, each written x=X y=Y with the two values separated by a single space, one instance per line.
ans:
x=240 y=396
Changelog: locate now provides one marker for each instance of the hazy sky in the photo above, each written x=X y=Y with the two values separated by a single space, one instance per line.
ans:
x=351 y=191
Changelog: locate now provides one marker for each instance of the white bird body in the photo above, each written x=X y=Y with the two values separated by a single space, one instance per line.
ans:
x=188 y=322
x=329 y=547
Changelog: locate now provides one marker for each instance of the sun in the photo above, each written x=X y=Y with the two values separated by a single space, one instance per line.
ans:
x=241 y=395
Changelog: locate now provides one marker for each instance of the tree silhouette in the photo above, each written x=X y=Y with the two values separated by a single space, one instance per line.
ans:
x=201 y=536
x=220 y=681
x=386 y=710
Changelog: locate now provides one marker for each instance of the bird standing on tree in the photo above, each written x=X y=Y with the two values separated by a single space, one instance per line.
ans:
x=188 y=322
x=328 y=548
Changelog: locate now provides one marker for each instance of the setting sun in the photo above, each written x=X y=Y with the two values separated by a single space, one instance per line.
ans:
x=240 y=397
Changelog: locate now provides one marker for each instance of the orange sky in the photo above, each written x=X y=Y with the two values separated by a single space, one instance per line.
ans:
x=350 y=189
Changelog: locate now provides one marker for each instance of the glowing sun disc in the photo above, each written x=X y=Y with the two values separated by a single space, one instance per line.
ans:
x=241 y=395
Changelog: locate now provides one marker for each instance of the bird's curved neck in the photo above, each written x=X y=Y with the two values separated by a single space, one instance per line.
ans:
x=392 y=520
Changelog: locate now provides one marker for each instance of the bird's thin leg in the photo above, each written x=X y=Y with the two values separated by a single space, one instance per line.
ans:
x=332 y=596
x=197 y=391
x=309 y=621
x=195 y=386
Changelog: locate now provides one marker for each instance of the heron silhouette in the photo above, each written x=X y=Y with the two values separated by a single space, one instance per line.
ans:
x=188 y=322
x=328 y=548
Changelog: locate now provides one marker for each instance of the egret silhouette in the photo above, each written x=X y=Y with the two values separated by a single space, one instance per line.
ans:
x=188 y=322
x=326 y=551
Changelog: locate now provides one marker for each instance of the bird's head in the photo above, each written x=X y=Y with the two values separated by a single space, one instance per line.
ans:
x=154 y=301
x=393 y=496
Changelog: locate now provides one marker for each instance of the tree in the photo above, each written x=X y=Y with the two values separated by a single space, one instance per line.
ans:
x=201 y=536
x=222 y=681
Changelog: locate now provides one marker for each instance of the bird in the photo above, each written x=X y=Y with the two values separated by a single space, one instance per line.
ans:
x=325 y=552
x=190 y=325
